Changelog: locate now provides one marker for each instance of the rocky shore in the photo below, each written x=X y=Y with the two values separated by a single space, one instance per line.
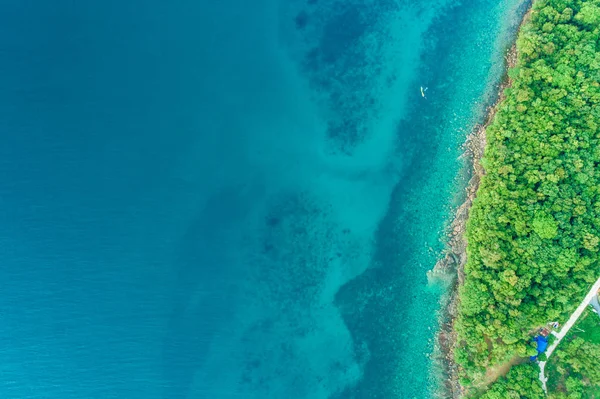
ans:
x=452 y=264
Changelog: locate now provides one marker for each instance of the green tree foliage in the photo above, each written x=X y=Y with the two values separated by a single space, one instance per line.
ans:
x=575 y=368
x=582 y=358
x=589 y=16
x=521 y=382
x=534 y=229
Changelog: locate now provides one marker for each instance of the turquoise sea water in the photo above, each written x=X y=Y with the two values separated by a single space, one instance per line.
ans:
x=232 y=199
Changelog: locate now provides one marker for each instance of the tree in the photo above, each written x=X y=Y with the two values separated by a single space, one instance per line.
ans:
x=589 y=15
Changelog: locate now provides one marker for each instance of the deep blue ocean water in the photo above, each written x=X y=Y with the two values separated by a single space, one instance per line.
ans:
x=232 y=199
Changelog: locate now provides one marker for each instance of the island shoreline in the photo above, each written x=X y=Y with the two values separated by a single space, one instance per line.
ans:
x=453 y=262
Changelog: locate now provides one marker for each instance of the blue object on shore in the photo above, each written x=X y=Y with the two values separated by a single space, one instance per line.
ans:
x=542 y=343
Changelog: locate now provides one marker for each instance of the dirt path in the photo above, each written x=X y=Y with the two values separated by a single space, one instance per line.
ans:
x=493 y=373
x=570 y=323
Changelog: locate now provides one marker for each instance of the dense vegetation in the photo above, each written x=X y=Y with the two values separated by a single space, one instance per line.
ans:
x=534 y=229
x=520 y=382
x=574 y=369
x=578 y=367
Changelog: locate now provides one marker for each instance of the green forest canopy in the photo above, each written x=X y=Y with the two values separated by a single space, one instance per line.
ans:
x=534 y=229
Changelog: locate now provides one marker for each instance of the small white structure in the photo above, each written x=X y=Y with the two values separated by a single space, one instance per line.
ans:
x=595 y=304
